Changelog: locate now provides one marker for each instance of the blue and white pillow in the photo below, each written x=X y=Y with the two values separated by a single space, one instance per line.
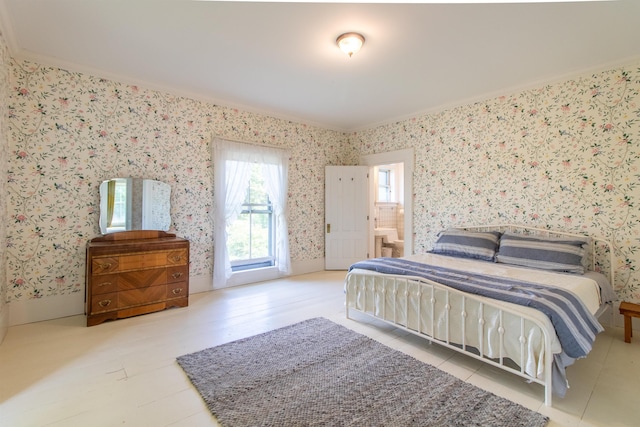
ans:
x=467 y=244
x=546 y=253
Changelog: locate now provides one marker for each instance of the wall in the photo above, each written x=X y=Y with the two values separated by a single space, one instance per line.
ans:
x=564 y=156
x=4 y=144
x=70 y=131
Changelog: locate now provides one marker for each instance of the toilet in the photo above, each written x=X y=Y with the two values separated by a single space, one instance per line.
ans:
x=397 y=248
x=387 y=243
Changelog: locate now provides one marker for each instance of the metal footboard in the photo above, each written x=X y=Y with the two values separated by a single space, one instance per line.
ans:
x=463 y=322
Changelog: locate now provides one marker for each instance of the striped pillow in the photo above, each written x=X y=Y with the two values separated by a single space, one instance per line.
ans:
x=564 y=255
x=467 y=244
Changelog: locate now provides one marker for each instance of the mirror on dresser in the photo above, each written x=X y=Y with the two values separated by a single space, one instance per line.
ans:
x=134 y=204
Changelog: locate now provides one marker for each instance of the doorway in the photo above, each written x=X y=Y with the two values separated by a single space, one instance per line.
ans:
x=391 y=203
x=387 y=210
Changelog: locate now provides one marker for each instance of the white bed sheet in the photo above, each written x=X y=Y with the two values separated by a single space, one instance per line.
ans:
x=584 y=287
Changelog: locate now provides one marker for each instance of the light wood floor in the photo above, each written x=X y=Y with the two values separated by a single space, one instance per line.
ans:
x=61 y=373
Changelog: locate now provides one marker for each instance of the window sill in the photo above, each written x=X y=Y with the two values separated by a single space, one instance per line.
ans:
x=254 y=275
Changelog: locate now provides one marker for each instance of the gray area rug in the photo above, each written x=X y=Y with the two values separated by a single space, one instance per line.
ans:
x=319 y=373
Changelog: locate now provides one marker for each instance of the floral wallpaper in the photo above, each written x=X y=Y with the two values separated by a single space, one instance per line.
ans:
x=70 y=131
x=563 y=156
x=4 y=148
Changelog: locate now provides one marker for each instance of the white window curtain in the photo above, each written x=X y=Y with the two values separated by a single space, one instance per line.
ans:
x=232 y=165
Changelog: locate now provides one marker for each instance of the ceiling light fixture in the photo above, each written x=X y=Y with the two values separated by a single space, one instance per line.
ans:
x=350 y=43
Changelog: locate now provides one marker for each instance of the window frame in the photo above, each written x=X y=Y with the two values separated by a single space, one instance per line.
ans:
x=387 y=188
x=259 y=262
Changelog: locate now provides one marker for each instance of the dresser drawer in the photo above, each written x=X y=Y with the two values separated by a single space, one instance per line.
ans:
x=142 y=296
x=104 y=265
x=177 y=274
x=177 y=257
x=143 y=260
x=104 y=302
x=177 y=290
x=137 y=279
x=104 y=284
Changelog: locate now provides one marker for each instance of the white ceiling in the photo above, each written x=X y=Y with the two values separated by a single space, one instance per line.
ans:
x=281 y=58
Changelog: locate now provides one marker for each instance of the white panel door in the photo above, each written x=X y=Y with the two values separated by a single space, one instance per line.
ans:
x=346 y=215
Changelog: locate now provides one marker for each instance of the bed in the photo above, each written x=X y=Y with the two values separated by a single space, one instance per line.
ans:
x=523 y=299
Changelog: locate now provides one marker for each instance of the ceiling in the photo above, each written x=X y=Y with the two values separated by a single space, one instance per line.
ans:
x=281 y=59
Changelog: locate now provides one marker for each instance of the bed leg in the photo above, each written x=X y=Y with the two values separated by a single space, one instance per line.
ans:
x=548 y=382
x=548 y=371
x=547 y=395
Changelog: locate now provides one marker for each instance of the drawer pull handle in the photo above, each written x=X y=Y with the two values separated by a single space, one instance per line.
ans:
x=177 y=291
x=104 y=303
x=104 y=284
x=105 y=266
x=176 y=258
x=177 y=274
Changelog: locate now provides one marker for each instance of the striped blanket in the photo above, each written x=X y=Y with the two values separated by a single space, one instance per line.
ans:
x=575 y=326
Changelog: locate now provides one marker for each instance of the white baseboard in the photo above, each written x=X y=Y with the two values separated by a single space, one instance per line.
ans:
x=4 y=321
x=36 y=310
x=607 y=318
x=304 y=267
x=199 y=284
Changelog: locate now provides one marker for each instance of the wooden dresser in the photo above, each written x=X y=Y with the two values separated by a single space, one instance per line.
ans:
x=135 y=272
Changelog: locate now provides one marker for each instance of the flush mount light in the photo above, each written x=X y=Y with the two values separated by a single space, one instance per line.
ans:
x=350 y=43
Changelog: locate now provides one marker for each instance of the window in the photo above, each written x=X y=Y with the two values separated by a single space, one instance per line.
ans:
x=251 y=235
x=250 y=213
x=384 y=185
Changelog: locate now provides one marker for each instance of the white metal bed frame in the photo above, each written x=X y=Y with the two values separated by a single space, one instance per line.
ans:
x=601 y=256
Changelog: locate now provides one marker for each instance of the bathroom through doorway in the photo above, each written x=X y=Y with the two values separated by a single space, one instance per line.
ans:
x=390 y=210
